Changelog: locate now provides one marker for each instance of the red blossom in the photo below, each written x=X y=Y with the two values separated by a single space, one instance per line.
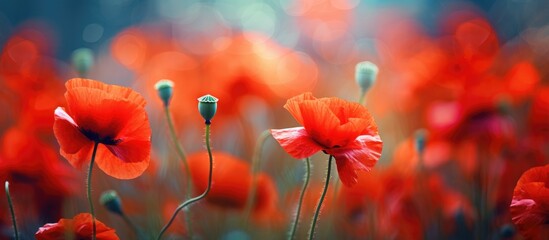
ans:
x=80 y=227
x=530 y=205
x=111 y=115
x=337 y=127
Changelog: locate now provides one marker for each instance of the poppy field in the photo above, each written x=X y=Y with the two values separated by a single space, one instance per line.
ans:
x=274 y=119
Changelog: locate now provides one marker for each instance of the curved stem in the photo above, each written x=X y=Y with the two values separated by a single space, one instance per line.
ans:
x=16 y=233
x=183 y=157
x=95 y=145
x=317 y=212
x=250 y=201
x=305 y=184
x=195 y=199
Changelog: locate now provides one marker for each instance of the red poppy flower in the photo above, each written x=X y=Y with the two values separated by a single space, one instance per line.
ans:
x=35 y=173
x=530 y=205
x=113 y=116
x=80 y=227
x=231 y=184
x=337 y=127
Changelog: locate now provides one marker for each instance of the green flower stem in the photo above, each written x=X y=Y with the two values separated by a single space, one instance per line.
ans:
x=89 y=183
x=16 y=233
x=250 y=201
x=362 y=97
x=195 y=199
x=301 y=195
x=179 y=148
x=183 y=157
x=317 y=212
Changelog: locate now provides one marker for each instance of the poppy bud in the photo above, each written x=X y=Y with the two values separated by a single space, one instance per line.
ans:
x=207 y=106
x=111 y=201
x=365 y=74
x=82 y=61
x=420 y=139
x=165 y=90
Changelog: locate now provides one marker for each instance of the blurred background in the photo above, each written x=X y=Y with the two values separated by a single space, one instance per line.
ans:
x=471 y=74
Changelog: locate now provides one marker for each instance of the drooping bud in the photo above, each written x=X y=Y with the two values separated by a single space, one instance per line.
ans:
x=111 y=201
x=82 y=61
x=164 y=88
x=207 y=106
x=420 y=138
x=366 y=74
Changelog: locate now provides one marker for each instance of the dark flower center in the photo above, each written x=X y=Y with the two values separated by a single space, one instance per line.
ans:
x=108 y=140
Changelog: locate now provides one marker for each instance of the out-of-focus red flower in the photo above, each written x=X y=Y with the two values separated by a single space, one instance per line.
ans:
x=111 y=115
x=323 y=20
x=406 y=158
x=471 y=45
x=338 y=127
x=37 y=177
x=539 y=114
x=530 y=205
x=31 y=79
x=231 y=185
x=383 y=199
x=360 y=199
x=276 y=73
x=80 y=227
x=521 y=80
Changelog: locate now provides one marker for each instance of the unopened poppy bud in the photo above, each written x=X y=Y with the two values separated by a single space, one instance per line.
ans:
x=365 y=74
x=420 y=139
x=82 y=61
x=207 y=106
x=111 y=201
x=165 y=90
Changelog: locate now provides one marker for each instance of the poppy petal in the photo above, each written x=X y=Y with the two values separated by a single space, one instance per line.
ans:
x=526 y=216
x=83 y=224
x=292 y=105
x=296 y=142
x=97 y=110
x=116 y=167
x=115 y=90
x=321 y=123
x=80 y=227
x=361 y=155
x=67 y=132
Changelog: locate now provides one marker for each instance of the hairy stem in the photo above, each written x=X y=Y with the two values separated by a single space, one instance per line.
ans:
x=195 y=199
x=183 y=157
x=317 y=212
x=89 y=183
x=301 y=195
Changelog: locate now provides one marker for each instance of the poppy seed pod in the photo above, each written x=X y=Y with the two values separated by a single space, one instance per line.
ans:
x=165 y=90
x=111 y=201
x=365 y=74
x=82 y=61
x=207 y=106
